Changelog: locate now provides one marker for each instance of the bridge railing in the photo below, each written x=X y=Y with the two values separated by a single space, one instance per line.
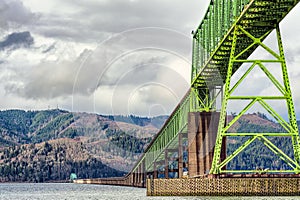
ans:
x=219 y=18
x=176 y=123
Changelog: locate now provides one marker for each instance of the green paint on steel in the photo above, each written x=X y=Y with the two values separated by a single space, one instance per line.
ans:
x=291 y=127
x=229 y=33
x=226 y=37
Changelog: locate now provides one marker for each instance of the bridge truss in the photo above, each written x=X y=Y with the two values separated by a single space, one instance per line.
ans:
x=229 y=33
x=219 y=54
x=224 y=41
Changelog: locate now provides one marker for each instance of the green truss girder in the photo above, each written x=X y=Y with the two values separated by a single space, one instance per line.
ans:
x=212 y=46
x=228 y=35
x=291 y=127
x=177 y=123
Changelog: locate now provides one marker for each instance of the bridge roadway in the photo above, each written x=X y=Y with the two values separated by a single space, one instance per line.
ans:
x=192 y=142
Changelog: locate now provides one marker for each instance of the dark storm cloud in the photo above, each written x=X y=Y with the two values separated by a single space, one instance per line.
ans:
x=129 y=59
x=13 y=14
x=125 y=60
x=17 y=40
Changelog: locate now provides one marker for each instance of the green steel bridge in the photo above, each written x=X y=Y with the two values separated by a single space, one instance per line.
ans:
x=194 y=137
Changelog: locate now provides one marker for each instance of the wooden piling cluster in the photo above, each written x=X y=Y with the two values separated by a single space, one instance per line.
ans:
x=286 y=186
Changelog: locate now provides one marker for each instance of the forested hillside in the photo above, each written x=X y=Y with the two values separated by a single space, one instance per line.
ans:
x=38 y=146
x=257 y=155
x=21 y=127
x=49 y=161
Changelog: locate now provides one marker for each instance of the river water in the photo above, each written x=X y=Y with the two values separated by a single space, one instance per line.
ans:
x=66 y=191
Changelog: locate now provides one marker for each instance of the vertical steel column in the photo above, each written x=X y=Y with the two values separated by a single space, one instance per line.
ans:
x=218 y=146
x=180 y=156
x=133 y=178
x=139 y=175
x=289 y=100
x=166 y=163
x=155 y=170
x=144 y=173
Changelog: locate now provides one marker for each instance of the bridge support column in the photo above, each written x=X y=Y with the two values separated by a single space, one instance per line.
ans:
x=136 y=178
x=144 y=174
x=166 y=163
x=154 y=170
x=133 y=178
x=180 y=156
x=139 y=175
x=202 y=132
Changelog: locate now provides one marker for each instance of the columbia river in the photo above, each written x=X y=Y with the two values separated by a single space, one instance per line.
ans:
x=69 y=191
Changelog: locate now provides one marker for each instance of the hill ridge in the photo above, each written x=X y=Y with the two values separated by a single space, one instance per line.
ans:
x=112 y=143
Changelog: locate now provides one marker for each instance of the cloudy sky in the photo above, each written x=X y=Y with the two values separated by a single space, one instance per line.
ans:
x=107 y=56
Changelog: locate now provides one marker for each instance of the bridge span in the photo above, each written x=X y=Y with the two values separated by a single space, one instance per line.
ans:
x=189 y=155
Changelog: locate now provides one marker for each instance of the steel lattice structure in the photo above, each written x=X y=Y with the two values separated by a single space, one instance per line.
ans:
x=250 y=23
x=229 y=33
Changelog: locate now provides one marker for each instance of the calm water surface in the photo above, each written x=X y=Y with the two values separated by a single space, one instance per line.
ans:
x=64 y=191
